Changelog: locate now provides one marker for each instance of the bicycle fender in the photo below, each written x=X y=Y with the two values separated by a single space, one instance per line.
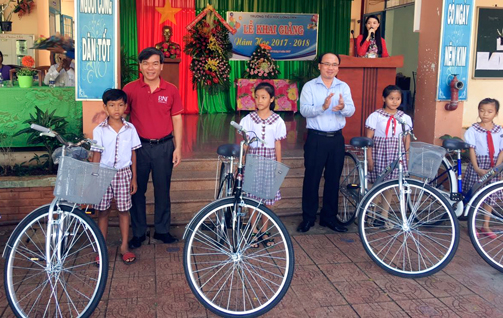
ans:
x=9 y=242
x=210 y=206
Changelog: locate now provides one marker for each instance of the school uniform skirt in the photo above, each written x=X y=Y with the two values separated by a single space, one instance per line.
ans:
x=471 y=177
x=269 y=153
x=384 y=152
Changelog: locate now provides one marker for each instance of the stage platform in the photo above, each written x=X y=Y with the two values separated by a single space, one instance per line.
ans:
x=202 y=134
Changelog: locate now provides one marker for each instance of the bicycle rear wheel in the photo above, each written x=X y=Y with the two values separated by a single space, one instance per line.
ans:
x=418 y=247
x=349 y=190
x=232 y=278
x=488 y=209
x=71 y=283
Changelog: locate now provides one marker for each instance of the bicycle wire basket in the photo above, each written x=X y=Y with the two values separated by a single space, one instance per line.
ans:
x=425 y=159
x=82 y=182
x=263 y=177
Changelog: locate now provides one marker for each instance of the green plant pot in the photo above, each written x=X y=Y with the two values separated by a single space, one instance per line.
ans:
x=25 y=81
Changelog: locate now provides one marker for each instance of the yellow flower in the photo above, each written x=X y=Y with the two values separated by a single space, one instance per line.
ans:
x=264 y=66
x=212 y=64
x=213 y=45
x=291 y=94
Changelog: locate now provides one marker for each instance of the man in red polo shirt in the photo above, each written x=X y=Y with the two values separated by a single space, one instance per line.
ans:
x=155 y=107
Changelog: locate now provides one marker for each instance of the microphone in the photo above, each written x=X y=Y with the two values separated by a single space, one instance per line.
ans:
x=372 y=35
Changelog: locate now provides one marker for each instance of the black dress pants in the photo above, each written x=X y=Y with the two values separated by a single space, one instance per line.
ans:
x=157 y=158
x=322 y=154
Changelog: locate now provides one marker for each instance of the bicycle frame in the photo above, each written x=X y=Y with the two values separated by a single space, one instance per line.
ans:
x=456 y=194
x=238 y=185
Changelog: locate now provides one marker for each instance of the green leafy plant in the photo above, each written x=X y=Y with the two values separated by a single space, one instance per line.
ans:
x=310 y=72
x=42 y=161
x=26 y=72
x=49 y=120
x=129 y=68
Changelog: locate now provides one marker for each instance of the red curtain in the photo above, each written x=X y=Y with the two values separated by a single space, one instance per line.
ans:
x=150 y=33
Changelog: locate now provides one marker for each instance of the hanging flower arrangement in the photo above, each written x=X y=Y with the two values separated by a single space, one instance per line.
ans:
x=24 y=7
x=209 y=46
x=261 y=65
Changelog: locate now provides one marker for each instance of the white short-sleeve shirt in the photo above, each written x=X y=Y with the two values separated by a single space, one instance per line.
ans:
x=476 y=136
x=118 y=146
x=271 y=129
x=378 y=121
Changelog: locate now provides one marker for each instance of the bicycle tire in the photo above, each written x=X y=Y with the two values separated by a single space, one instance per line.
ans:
x=349 y=190
x=75 y=272
x=489 y=249
x=433 y=246
x=244 y=261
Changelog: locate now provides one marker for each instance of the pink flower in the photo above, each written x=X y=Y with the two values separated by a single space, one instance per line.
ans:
x=248 y=102
x=283 y=103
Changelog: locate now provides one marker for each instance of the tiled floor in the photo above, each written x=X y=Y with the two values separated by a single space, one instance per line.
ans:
x=333 y=278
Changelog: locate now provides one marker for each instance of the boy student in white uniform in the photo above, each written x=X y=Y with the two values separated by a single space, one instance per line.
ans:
x=120 y=139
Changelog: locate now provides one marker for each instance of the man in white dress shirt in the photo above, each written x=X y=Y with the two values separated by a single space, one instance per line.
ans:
x=325 y=102
x=63 y=72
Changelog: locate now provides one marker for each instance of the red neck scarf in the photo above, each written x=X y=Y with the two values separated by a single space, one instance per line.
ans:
x=490 y=145
x=392 y=122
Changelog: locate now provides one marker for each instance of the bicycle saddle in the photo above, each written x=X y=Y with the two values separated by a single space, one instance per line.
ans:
x=228 y=150
x=455 y=144
x=361 y=142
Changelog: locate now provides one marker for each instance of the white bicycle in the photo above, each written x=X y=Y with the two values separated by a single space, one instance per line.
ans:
x=51 y=267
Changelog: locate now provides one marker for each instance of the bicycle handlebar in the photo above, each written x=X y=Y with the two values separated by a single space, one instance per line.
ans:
x=44 y=131
x=244 y=134
x=40 y=128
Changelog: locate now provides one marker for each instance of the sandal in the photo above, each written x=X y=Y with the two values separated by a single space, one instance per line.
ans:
x=488 y=233
x=269 y=241
x=255 y=237
x=128 y=258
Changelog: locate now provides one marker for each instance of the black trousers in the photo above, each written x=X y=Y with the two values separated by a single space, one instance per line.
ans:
x=157 y=158
x=322 y=154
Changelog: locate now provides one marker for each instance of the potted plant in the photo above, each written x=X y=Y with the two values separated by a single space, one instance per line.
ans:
x=6 y=24
x=25 y=74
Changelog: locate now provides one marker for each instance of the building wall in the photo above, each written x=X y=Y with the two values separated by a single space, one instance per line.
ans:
x=34 y=24
x=479 y=89
x=373 y=6
x=67 y=7
x=401 y=40
x=356 y=8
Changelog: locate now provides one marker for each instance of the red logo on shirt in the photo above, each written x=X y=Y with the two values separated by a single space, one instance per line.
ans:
x=162 y=99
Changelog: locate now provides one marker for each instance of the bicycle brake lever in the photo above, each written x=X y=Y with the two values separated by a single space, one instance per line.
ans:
x=49 y=134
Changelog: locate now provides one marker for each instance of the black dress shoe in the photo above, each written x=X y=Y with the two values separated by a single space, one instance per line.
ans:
x=136 y=241
x=333 y=226
x=165 y=238
x=304 y=226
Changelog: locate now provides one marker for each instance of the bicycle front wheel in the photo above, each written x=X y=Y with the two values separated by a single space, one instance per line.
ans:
x=236 y=273
x=349 y=190
x=68 y=284
x=420 y=245
x=485 y=225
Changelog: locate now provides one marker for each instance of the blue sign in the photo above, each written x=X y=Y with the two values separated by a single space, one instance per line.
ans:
x=95 y=48
x=455 y=46
x=291 y=36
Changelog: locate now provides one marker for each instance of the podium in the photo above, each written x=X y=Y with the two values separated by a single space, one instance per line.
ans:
x=171 y=70
x=366 y=78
